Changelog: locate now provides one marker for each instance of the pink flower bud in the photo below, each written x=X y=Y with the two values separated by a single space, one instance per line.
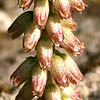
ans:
x=39 y=79
x=58 y=71
x=71 y=43
x=30 y=39
x=77 y=5
x=70 y=23
x=70 y=94
x=23 y=72
x=23 y=24
x=41 y=12
x=74 y=74
x=26 y=91
x=63 y=8
x=44 y=53
x=52 y=92
x=25 y=4
x=54 y=29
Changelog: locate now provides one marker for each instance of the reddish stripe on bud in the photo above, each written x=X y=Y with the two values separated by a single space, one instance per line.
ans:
x=58 y=71
x=71 y=43
x=41 y=12
x=30 y=39
x=44 y=53
x=78 y=5
x=25 y=4
x=73 y=72
x=54 y=29
x=39 y=79
x=63 y=8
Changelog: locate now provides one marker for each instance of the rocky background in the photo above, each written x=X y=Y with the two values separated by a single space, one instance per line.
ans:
x=88 y=31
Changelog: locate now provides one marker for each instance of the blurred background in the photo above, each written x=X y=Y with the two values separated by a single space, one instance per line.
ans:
x=88 y=31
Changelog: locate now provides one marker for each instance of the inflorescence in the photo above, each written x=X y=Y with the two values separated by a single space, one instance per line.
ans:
x=51 y=74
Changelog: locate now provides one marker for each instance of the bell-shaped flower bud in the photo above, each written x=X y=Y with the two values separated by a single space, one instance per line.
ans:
x=70 y=23
x=69 y=93
x=23 y=72
x=41 y=12
x=77 y=5
x=44 y=53
x=26 y=91
x=30 y=39
x=54 y=29
x=39 y=79
x=63 y=8
x=74 y=74
x=52 y=92
x=22 y=24
x=25 y=4
x=71 y=43
x=58 y=71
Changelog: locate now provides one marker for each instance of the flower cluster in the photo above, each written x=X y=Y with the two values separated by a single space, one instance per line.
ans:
x=50 y=74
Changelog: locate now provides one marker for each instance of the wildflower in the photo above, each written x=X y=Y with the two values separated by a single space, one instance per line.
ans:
x=23 y=72
x=39 y=79
x=71 y=43
x=63 y=8
x=44 y=53
x=41 y=12
x=25 y=4
x=77 y=5
x=54 y=29
x=74 y=74
x=30 y=39
x=52 y=92
x=44 y=31
x=70 y=93
x=58 y=70
x=23 y=24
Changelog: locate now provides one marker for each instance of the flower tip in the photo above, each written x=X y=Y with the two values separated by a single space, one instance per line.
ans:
x=25 y=4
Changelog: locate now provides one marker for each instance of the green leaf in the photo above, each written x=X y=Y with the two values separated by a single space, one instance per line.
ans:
x=23 y=24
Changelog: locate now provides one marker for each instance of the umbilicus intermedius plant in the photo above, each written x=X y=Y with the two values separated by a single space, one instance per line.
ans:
x=51 y=74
